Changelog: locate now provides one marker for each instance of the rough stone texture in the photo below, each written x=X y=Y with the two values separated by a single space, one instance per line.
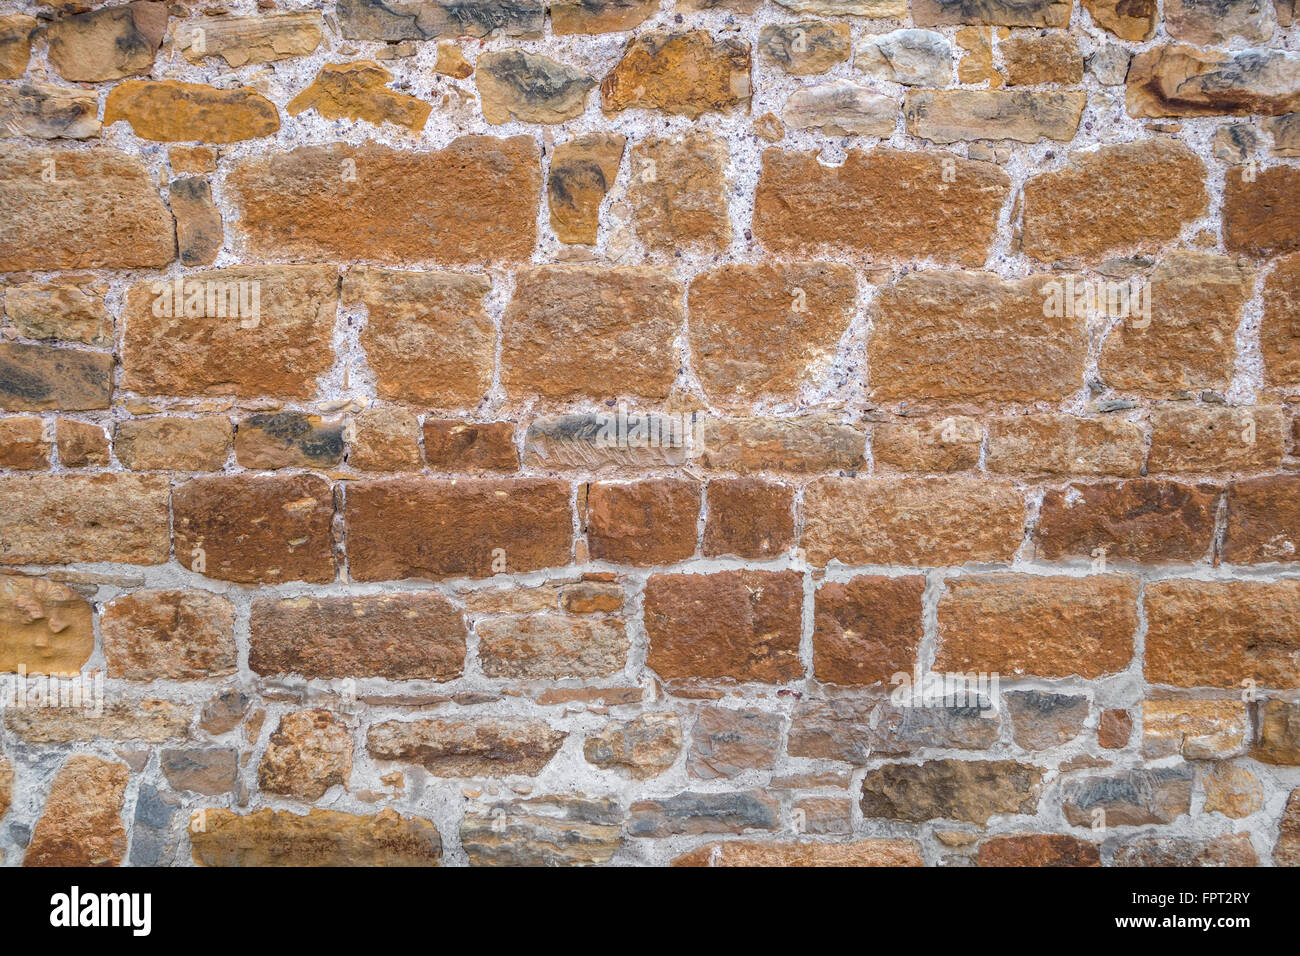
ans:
x=726 y=743
x=804 y=48
x=169 y=112
x=1287 y=850
x=1038 y=849
x=1220 y=633
x=1114 y=728
x=749 y=518
x=42 y=377
x=1278 y=740
x=44 y=111
x=1038 y=626
x=916 y=521
x=867 y=629
x=1208 y=24
x=1234 y=850
x=1194 y=729
x=1231 y=789
x=318 y=838
x=82 y=822
x=309 y=752
x=359 y=90
x=1041 y=720
x=16 y=32
x=1129 y=798
x=1260 y=213
x=599 y=16
x=950 y=444
x=546 y=831
x=244 y=40
x=470 y=447
x=24 y=445
x=181 y=444
x=385 y=439
x=686 y=205
x=1178 y=80
x=695 y=813
x=45 y=627
x=960 y=115
x=459 y=748
x=841 y=108
x=640 y=748
x=581 y=174
x=686 y=74
x=1034 y=60
x=148 y=721
x=880 y=205
x=394 y=20
x=643 y=523
x=741 y=625
x=254 y=530
x=288 y=440
x=108 y=43
x=750 y=853
x=1263 y=524
x=516 y=86
x=1133 y=20
x=199 y=230
x=952 y=789
x=1279 y=332
x=909 y=57
x=1056 y=445
x=1137 y=196
x=1214 y=439
x=551 y=647
x=105 y=212
x=59 y=310
x=396 y=636
x=1009 y=13
x=802 y=445
x=472 y=202
x=211 y=771
x=1009 y=349
x=170 y=635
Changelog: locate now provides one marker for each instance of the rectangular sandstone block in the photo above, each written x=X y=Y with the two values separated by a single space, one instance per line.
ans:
x=1207 y=439
x=1029 y=625
x=42 y=377
x=473 y=202
x=955 y=116
x=1055 y=445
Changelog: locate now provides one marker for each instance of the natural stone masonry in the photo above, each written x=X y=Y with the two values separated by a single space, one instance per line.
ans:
x=617 y=433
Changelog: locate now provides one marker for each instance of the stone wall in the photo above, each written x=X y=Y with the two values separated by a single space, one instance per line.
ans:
x=637 y=432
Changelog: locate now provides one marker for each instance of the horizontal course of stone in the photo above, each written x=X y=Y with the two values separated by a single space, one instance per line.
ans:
x=645 y=432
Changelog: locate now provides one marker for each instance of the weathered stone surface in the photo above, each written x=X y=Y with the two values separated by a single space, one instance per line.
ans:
x=953 y=116
x=582 y=172
x=1158 y=851
x=1285 y=131
x=169 y=635
x=59 y=310
x=428 y=338
x=108 y=43
x=1052 y=445
x=101 y=210
x=1037 y=849
x=16 y=33
x=147 y=721
x=422 y=19
x=544 y=831
x=199 y=232
x=551 y=647
x=62 y=519
x=1286 y=852
x=1261 y=216
x=873 y=852
x=1214 y=439
x=210 y=771
x=1188 y=341
x=384 y=438
x=947 y=445
x=807 y=444
x=319 y=838
x=1036 y=625
x=828 y=8
x=224 y=712
x=1130 y=798
x=739 y=625
x=599 y=16
x=867 y=629
x=1278 y=740
x=909 y=57
x=1263 y=523
x=880 y=204
x=919 y=521
x=590 y=442
x=244 y=40
x=81 y=444
x=1114 y=728
x=680 y=73
x=1134 y=195
x=1214 y=24
x=167 y=111
x=973 y=790
x=515 y=85
x=451 y=62
x=1007 y=13
x=1279 y=330
x=255 y=530
x=591 y=332
x=82 y=823
x=408 y=528
x=1235 y=143
x=726 y=743
x=678 y=192
x=42 y=377
x=475 y=447
x=359 y=91
x=640 y=748
x=487 y=747
x=966 y=721
x=1109 y=64
x=471 y=203
x=694 y=813
x=416 y=636
x=1194 y=729
x=45 y=111
x=269 y=440
x=841 y=108
x=1133 y=20
x=1041 y=720
x=835 y=729
x=152 y=838
x=215 y=336
x=749 y=518
x=1033 y=60
x=1220 y=633
x=24 y=444
x=976 y=64
x=308 y=753
x=1144 y=521
x=1231 y=789
x=1009 y=348
x=183 y=444
x=644 y=522
x=806 y=47
x=45 y=627
x=1178 y=80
